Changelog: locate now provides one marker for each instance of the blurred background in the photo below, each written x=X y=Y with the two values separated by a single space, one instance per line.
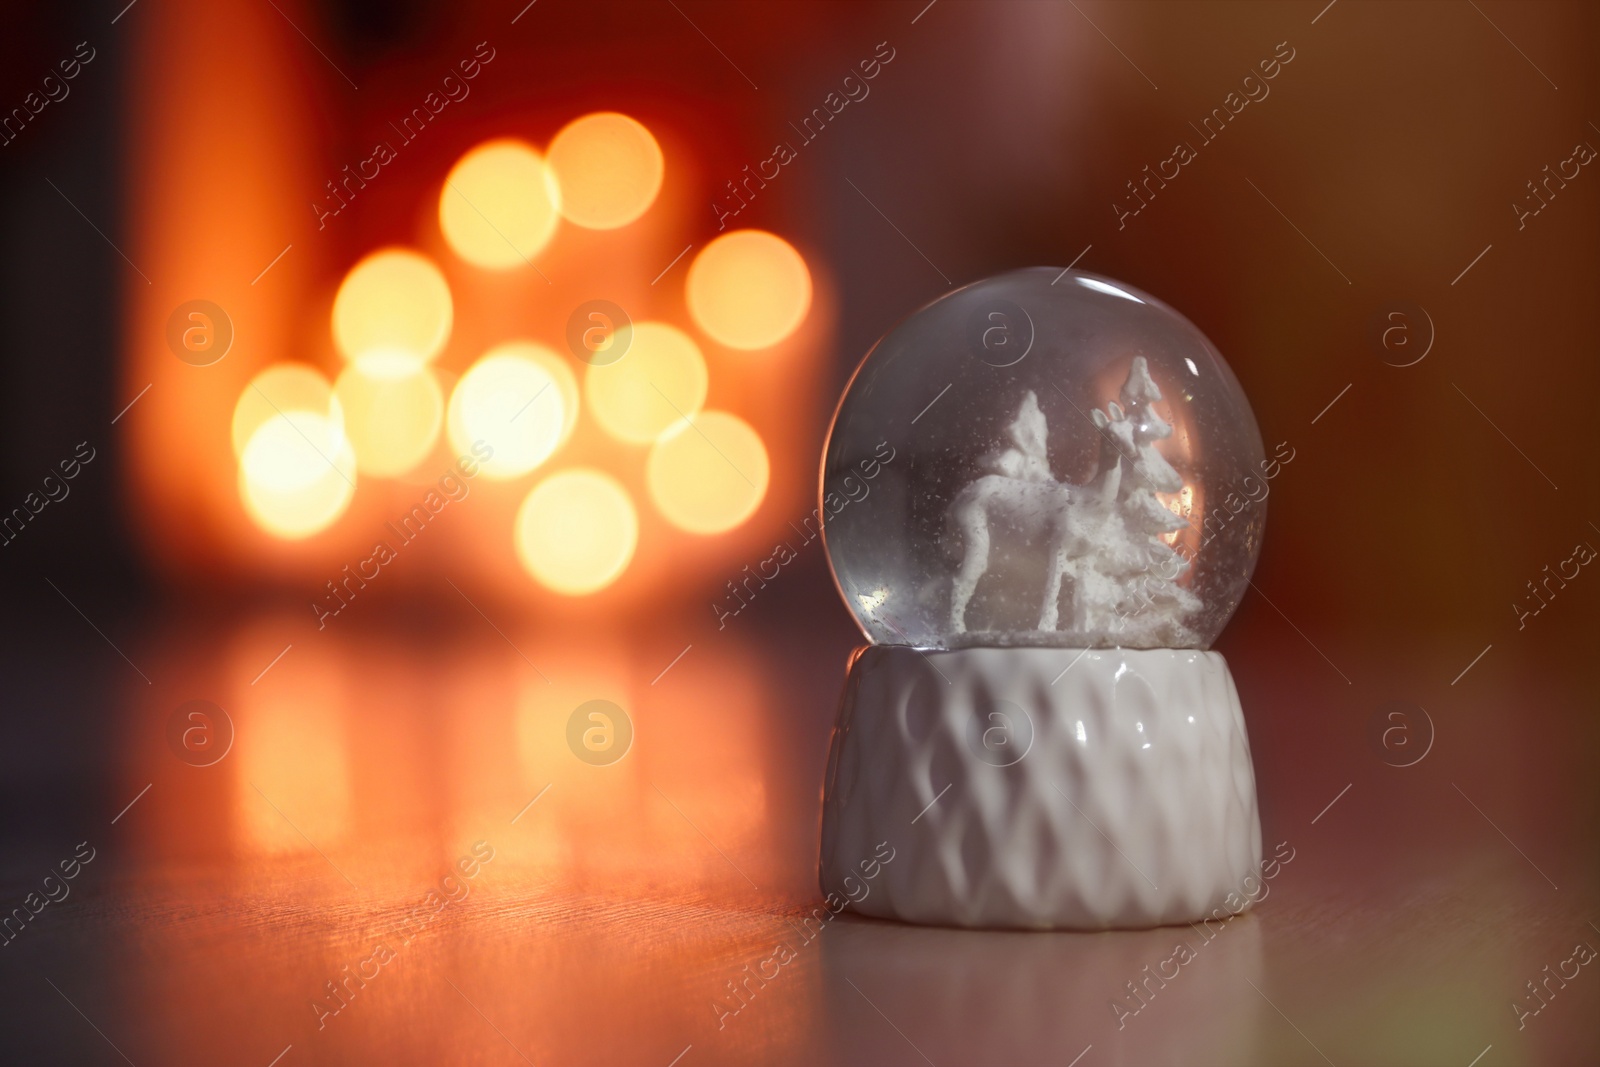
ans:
x=218 y=213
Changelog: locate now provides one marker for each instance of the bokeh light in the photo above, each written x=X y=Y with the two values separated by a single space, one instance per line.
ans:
x=749 y=289
x=511 y=400
x=609 y=168
x=393 y=409
x=499 y=205
x=710 y=476
x=560 y=371
x=576 y=531
x=297 y=474
x=280 y=388
x=660 y=381
x=393 y=302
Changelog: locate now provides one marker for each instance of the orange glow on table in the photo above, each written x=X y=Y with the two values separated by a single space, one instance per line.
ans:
x=576 y=531
x=500 y=205
x=710 y=476
x=749 y=289
x=661 y=380
x=292 y=763
x=393 y=409
x=513 y=400
x=394 y=301
x=609 y=168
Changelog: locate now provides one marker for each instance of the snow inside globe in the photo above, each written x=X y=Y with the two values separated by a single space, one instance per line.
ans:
x=1044 y=458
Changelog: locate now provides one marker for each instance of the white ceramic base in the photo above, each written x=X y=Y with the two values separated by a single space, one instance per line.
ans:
x=1041 y=788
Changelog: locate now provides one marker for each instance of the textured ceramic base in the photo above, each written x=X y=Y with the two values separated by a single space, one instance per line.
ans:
x=1041 y=788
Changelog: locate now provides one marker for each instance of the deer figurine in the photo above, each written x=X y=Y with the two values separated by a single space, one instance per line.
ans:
x=1018 y=493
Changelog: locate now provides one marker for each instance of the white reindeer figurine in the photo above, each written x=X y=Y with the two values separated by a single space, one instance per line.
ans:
x=1101 y=535
x=1020 y=495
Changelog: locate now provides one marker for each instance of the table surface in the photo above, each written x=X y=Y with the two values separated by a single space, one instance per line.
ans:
x=622 y=903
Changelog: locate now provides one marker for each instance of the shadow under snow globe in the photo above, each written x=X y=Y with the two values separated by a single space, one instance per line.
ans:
x=1039 y=500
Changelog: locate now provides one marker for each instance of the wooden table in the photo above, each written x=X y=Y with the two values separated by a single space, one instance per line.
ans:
x=624 y=905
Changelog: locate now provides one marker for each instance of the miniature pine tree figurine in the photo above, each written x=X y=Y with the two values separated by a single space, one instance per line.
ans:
x=1138 y=393
x=1153 y=603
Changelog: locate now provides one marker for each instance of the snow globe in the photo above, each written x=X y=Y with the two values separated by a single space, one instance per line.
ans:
x=1042 y=497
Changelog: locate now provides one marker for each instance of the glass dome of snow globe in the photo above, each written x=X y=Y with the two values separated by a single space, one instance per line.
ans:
x=1044 y=458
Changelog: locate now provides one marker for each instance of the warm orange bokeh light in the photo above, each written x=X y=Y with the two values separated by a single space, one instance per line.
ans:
x=499 y=205
x=576 y=531
x=749 y=289
x=394 y=302
x=279 y=388
x=560 y=371
x=297 y=474
x=709 y=474
x=390 y=313
x=1188 y=504
x=393 y=408
x=512 y=400
x=609 y=168
x=661 y=380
